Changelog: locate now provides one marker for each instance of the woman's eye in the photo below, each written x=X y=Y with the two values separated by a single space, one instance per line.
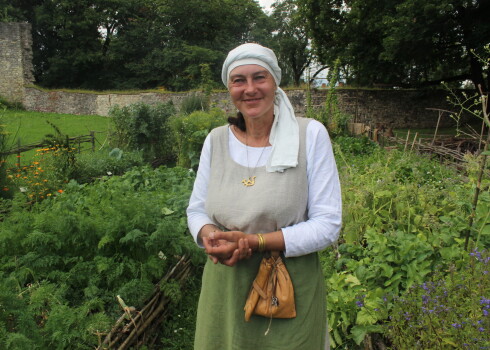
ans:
x=260 y=77
x=238 y=81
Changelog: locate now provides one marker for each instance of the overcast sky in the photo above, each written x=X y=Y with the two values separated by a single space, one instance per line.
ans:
x=266 y=3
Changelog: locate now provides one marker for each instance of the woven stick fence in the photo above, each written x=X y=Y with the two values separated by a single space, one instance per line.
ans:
x=36 y=145
x=135 y=328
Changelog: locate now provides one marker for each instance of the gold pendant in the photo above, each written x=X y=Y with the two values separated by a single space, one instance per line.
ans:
x=249 y=182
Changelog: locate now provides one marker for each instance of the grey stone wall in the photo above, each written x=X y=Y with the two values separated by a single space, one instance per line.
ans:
x=15 y=60
x=392 y=108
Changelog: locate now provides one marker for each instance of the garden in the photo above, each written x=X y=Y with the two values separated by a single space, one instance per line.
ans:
x=88 y=239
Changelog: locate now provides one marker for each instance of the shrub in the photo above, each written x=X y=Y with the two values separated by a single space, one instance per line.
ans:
x=355 y=145
x=142 y=127
x=190 y=131
x=451 y=309
x=194 y=102
x=106 y=162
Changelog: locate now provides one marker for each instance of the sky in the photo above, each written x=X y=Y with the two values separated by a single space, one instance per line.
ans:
x=266 y=3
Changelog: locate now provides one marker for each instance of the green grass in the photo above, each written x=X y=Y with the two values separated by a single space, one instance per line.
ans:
x=27 y=127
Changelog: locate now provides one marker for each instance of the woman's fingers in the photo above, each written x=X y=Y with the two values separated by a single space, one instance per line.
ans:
x=233 y=259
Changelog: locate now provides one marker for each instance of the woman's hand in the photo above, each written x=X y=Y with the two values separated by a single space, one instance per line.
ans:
x=227 y=247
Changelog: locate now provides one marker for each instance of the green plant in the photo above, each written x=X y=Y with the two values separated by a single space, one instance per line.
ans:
x=106 y=162
x=194 y=102
x=4 y=180
x=142 y=127
x=190 y=132
x=403 y=216
x=5 y=104
x=450 y=310
x=331 y=116
x=355 y=145
x=64 y=260
x=206 y=84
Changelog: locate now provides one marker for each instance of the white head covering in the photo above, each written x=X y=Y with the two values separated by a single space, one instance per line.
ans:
x=284 y=136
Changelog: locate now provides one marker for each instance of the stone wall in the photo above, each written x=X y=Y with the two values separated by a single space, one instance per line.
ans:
x=15 y=60
x=392 y=108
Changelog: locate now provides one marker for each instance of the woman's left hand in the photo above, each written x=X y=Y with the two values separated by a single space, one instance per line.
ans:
x=227 y=247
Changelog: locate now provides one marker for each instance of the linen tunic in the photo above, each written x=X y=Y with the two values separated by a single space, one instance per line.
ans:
x=276 y=200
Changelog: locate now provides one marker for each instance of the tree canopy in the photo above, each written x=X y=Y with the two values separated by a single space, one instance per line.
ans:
x=405 y=43
x=121 y=44
x=128 y=44
x=291 y=43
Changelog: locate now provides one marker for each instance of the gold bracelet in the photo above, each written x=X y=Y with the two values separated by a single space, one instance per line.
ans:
x=261 y=238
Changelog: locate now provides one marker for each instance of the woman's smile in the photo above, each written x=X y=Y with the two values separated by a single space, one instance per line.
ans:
x=252 y=89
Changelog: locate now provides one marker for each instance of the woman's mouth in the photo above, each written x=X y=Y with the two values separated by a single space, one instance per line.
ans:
x=252 y=100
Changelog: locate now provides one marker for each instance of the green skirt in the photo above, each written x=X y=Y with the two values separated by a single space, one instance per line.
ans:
x=220 y=317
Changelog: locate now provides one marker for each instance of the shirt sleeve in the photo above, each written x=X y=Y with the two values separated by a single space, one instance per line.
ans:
x=196 y=212
x=324 y=198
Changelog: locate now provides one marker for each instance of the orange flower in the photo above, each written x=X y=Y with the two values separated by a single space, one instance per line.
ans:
x=5 y=189
x=60 y=191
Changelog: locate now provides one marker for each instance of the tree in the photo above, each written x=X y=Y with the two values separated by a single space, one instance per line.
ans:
x=401 y=42
x=291 y=42
x=123 y=44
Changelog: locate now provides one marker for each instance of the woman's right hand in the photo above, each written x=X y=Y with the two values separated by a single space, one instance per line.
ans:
x=228 y=247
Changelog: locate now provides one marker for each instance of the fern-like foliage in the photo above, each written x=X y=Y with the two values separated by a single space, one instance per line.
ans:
x=64 y=260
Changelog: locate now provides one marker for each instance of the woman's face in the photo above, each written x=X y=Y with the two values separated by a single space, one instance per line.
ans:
x=252 y=89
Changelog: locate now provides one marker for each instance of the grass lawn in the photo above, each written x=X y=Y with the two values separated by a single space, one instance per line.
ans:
x=27 y=127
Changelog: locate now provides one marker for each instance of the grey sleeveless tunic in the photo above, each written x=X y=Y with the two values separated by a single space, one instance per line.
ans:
x=276 y=200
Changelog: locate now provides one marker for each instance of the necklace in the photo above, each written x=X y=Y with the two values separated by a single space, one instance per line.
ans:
x=251 y=179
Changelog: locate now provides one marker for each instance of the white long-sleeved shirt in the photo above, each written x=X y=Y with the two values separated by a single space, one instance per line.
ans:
x=324 y=198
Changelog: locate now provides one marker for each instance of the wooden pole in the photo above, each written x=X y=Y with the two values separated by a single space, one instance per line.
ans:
x=406 y=141
x=92 y=135
x=18 y=153
x=437 y=127
x=414 y=139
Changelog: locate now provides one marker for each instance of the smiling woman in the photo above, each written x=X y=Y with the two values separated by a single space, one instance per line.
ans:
x=252 y=90
x=290 y=203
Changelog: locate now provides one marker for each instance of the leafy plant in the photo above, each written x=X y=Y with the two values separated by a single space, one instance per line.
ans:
x=194 y=102
x=190 y=131
x=4 y=181
x=106 y=162
x=331 y=116
x=356 y=145
x=142 y=127
x=403 y=218
x=64 y=260
x=449 y=310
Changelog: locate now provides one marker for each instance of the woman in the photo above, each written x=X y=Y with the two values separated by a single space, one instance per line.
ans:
x=269 y=179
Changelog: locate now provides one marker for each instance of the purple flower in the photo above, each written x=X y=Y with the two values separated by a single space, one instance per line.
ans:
x=456 y=325
x=481 y=329
x=359 y=303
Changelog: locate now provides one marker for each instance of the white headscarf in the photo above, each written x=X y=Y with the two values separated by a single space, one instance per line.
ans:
x=284 y=136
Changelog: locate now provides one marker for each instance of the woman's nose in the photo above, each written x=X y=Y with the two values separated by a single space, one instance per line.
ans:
x=250 y=88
